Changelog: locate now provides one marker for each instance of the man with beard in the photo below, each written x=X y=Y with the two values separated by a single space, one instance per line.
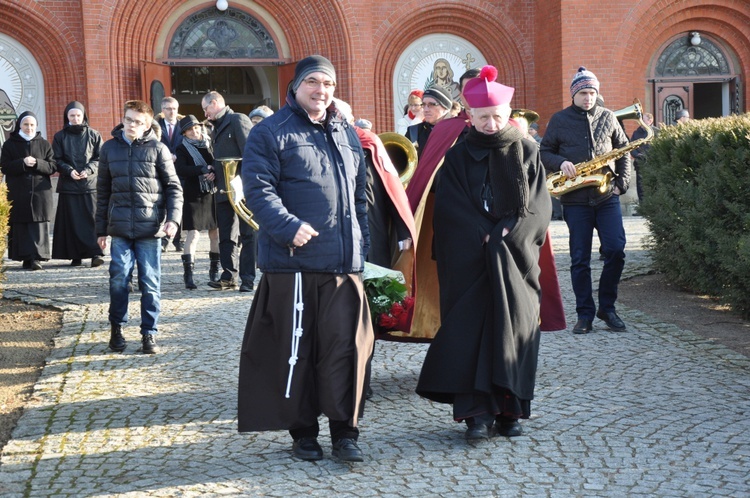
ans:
x=493 y=210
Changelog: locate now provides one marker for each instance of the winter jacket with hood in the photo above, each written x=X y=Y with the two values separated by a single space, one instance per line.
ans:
x=138 y=189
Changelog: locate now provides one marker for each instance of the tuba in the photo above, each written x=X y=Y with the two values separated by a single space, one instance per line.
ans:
x=558 y=184
x=403 y=155
x=235 y=183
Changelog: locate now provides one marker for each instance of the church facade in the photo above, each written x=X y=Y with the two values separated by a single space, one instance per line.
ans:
x=668 y=55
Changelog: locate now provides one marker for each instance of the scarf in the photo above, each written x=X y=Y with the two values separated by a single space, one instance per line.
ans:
x=192 y=147
x=508 y=181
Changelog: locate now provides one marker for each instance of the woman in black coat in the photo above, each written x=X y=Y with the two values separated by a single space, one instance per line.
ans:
x=194 y=165
x=76 y=150
x=27 y=162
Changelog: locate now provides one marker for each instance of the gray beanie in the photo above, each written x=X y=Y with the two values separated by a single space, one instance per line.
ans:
x=263 y=113
x=312 y=64
x=441 y=94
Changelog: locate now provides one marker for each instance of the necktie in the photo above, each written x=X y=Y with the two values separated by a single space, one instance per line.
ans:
x=170 y=130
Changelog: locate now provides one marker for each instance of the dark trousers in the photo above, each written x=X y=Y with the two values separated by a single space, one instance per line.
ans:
x=606 y=218
x=234 y=233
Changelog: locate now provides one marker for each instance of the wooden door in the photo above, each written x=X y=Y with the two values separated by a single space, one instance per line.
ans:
x=156 y=83
x=670 y=98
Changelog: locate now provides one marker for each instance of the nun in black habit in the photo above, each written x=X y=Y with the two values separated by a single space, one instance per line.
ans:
x=492 y=211
x=27 y=162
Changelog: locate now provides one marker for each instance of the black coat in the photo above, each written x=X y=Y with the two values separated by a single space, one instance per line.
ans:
x=228 y=136
x=29 y=189
x=76 y=148
x=189 y=172
x=576 y=135
x=489 y=292
x=138 y=189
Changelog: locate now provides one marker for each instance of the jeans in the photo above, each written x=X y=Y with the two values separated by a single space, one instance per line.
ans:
x=126 y=253
x=606 y=218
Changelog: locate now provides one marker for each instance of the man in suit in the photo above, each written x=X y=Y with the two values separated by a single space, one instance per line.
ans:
x=229 y=134
x=168 y=120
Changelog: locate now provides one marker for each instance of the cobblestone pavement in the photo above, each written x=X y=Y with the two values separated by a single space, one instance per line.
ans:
x=656 y=411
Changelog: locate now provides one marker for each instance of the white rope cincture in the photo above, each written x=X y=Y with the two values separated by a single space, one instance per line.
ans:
x=297 y=309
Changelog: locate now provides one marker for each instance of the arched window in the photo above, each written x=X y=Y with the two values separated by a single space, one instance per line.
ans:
x=682 y=59
x=212 y=34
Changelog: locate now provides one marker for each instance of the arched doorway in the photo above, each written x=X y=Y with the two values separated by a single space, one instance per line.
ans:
x=693 y=72
x=228 y=51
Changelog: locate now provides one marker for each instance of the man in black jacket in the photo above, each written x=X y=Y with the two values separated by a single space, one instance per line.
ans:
x=139 y=200
x=576 y=134
x=229 y=134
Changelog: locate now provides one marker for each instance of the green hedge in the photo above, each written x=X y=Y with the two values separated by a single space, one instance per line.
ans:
x=697 y=203
x=4 y=216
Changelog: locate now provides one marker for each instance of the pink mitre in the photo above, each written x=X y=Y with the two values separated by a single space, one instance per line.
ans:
x=484 y=91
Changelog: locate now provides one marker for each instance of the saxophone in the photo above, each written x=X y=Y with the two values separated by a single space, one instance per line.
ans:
x=558 y=184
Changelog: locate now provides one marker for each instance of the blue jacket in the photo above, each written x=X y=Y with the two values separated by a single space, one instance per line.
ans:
x=295 y=171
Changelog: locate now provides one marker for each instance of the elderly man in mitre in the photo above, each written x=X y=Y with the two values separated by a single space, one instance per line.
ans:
x=493 y=210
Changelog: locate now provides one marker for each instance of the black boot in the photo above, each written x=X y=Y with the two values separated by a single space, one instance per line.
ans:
x=188 y=265
x=116 y=340
x=213 y=272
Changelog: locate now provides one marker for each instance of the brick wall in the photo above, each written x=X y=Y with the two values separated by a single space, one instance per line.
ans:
x=90 y=50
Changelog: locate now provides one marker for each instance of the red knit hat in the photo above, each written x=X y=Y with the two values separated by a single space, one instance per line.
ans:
x=484 y=91
x=417 y=93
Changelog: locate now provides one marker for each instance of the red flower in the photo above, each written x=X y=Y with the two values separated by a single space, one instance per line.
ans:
x=387 y=321
x=397 y=309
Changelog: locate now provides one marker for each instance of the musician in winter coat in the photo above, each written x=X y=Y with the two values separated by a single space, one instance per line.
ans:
x=27 y=162
x=576 y=134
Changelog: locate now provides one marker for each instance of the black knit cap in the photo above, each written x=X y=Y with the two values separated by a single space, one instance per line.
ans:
x=312 y=64
x=441 y=94
x=188 y=122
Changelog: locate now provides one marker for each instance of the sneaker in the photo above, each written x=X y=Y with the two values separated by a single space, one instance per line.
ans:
x=307 y=448
x=346 y=449
x=96 y=261
x=246 y=287
x=148 y=345
x=117 y=342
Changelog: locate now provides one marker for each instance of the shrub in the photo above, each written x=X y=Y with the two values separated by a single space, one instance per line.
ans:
x=4 y=216
x=697 y=204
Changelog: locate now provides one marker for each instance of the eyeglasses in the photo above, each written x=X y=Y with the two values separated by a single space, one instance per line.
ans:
x=313 y=83
x=416 y=105
x=129 y=120
x=431 y=104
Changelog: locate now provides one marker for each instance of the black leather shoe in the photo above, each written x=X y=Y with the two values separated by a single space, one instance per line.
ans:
x=117 y=342
x=246 y=287
x=508 y=427
x=612 y=320
x=477 y=431
x=148 y=345
x=583 y=326
x=36 y=265
x=346 y=449
x=76 y=262
x=307 y=448
x=97 y=261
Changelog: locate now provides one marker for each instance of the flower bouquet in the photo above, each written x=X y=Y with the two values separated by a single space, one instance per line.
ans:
x=390 y=306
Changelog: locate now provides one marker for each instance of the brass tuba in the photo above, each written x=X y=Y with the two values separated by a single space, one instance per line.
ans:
x=558 y=184
x=403 y=155
x=238 y=203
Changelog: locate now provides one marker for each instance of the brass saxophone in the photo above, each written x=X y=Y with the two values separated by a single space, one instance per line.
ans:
x=558 y=184
x=230 y=171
